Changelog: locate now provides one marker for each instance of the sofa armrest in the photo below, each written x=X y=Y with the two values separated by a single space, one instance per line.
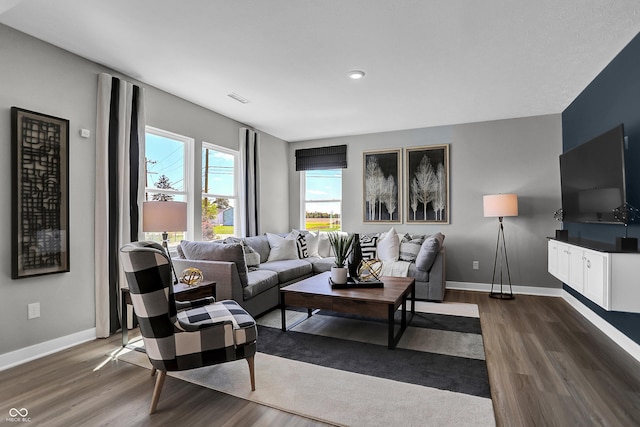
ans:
x=224 y=273
x=437 y=276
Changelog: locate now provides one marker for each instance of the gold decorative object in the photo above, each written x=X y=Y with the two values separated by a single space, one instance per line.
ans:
x=370 y=270
x=191 y=276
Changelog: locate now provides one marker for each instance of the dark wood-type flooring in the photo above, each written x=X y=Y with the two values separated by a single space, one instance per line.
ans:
x=548 y=366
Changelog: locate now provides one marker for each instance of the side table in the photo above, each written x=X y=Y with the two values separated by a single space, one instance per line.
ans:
x=181 y=292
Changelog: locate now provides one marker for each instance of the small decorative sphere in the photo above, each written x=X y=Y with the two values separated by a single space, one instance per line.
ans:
x=191 y=276
x=370 y=270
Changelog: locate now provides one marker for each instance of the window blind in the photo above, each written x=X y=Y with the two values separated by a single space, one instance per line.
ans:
x=333 y=157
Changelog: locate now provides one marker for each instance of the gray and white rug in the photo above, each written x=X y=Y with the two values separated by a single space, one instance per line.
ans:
x=337 y=369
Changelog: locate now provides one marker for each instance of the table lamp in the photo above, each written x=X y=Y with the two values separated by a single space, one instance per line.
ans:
x=164 y=217
x=501 y=205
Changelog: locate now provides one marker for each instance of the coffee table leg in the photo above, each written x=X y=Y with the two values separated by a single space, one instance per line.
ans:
x=283 y=313
x=391 y=324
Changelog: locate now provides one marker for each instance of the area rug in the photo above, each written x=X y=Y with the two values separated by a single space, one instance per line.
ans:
x=338 y=370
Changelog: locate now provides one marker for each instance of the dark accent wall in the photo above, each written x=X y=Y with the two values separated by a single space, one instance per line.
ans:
x=613 y=97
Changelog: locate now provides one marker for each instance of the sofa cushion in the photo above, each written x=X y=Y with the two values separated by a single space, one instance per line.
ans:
x=281 y=248
x=251 y=257
x=410 y=247
x=389 y=246
x=368 y=245
x=288 y=269
x=301 y=243
x=259 y=281
x=416 y=273
x=210 y=251
x=312 y=243
x=320 y=265
x=259 y=244
x=428 y=251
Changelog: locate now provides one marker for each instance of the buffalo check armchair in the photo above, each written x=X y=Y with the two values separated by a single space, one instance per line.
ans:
x=182 y=335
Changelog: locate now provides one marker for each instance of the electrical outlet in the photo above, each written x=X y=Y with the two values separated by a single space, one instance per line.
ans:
x=476 y=265
x=33 y=310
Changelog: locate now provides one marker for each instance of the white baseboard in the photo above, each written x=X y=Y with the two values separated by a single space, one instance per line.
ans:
x=36 y=351
x=522 y=290
x=618 y=337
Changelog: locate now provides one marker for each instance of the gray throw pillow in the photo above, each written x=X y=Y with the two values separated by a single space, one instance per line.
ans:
x=251 y=257
x=209 y=251
x=259 y=244
x=410 y=247
x=428 y=251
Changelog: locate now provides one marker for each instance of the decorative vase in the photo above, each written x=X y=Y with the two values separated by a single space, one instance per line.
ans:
x=339 y=275
x=355 y=257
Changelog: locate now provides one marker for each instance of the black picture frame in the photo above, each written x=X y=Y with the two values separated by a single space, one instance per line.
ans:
x=40 y=194
x=427 y=186
x=382 y=170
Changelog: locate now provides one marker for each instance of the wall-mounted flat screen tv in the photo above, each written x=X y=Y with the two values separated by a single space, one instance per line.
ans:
x=592 y=179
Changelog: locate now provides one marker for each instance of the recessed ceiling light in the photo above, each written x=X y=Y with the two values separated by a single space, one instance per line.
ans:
x=356 y=74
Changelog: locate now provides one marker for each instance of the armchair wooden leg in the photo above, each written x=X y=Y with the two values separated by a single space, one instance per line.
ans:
x=156 y=391
x=153 y=371
x=252 y=373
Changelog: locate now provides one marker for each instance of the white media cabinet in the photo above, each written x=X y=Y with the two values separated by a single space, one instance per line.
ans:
x=607 y=277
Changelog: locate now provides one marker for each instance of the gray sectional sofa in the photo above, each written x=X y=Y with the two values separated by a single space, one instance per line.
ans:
x=252 y=270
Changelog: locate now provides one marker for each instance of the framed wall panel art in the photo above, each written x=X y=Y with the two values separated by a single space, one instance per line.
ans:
x=382 y=186
x=40 y=194
x=427 y=184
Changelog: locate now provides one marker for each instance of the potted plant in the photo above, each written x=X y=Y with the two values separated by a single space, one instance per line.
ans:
x=341 y=244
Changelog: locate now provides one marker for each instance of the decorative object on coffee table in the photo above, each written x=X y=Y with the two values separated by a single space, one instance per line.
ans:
x=626 y=214
x=341 y=244
x=355 y=257
x=501 y=205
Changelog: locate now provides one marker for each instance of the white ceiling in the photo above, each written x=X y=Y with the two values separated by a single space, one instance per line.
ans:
x=428 y=62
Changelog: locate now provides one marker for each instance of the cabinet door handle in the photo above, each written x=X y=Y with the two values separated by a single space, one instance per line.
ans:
x=588 y=264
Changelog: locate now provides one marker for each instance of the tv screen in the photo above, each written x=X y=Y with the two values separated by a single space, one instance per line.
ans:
x=592 y=179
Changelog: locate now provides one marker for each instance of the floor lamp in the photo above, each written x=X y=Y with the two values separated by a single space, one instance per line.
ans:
x=163 y=217
x=501 y=205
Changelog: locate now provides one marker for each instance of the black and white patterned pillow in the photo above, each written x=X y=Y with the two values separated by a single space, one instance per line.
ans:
x=368 y=246
x=301 y=243
x=410 y=246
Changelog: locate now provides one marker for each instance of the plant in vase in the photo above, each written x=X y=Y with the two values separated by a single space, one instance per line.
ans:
x=341 y=245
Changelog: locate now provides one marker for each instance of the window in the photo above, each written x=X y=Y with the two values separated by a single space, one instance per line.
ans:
x=167 y=159
x=322 y=200
x=219 y=192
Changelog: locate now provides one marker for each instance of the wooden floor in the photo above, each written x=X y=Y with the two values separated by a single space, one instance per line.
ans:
x=547 y=365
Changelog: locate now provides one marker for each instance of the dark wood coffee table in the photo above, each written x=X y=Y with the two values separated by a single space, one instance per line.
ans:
x=316 y=293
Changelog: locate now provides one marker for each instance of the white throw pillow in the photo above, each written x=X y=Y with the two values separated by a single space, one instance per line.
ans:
x=389 y=246
x=281 y=248
x=324 y=247
x=312 y=243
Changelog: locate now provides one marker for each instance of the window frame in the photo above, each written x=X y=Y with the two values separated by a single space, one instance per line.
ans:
x=236 y=183
x=304 y=201
x=188 y=179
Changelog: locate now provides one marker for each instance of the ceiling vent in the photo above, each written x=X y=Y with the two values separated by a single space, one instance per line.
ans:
x=238 y=98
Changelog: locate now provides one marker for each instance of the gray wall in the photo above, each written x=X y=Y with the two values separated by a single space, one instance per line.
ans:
x=39 y=77
x=516 y=155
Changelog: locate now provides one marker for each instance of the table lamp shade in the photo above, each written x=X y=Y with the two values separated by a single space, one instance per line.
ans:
x=499 y=205
x=164 y=216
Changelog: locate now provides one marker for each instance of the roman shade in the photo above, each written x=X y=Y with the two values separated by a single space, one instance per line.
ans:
x=333 y=157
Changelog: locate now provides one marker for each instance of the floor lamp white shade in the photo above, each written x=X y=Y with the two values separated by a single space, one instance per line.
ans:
x=500 y=205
